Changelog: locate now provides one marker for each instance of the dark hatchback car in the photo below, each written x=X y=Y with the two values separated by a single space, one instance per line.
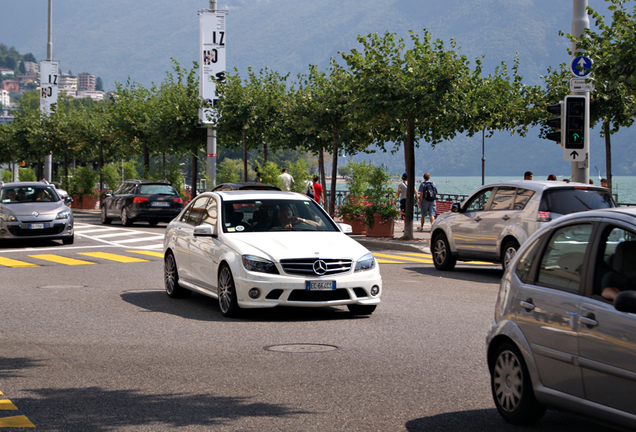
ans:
x=141 y=200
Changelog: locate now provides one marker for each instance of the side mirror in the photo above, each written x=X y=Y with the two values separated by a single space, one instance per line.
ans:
x=456 y=207
x=205 y=231
x=68 y=199
x=345 y=228
x=625 y=302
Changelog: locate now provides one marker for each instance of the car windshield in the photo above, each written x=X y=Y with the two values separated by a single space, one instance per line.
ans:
x=572 y=200
x=157 y=189
x=274 y=215
x=22 y=194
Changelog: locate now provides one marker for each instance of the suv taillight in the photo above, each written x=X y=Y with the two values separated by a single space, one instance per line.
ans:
x=137 y=200
x=544 y=217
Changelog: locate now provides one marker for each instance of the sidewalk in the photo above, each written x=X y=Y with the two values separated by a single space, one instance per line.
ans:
x=420 y=242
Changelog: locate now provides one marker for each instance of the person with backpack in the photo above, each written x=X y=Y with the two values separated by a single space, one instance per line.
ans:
x=428 y=195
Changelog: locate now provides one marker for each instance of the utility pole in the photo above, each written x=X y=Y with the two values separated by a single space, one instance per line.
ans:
x=48 y=159
x=580 y=21
x=211 y=140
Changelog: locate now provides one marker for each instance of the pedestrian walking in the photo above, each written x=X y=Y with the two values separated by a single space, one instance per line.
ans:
x=287 y=179
x=428 y=195
x=401 y=194
x=319 y=196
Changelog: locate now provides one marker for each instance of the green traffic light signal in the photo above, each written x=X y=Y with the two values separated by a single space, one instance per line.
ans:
x=575 y=122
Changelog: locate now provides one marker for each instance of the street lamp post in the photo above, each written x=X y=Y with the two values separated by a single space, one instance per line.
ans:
x=48 y=159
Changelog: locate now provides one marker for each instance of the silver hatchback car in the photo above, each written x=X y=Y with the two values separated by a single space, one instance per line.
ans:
x=34 y=210
x=499 y=217
x=564 y=332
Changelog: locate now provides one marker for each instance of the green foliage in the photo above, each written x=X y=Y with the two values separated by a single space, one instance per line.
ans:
x=26 y=174
x=175 y=178
x=112 y=176
x=300 y=172
x=229 y=171
x=270 y=173
x=84 y=181
x=130 y=170
x=6 y=176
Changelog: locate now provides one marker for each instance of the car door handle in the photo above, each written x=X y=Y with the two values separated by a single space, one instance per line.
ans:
x=506 y=217
x=589 y=320
x=527 y=305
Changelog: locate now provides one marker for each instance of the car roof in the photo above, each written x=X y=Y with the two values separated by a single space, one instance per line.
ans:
x=163 y=182
x=246 y=185
x=27 y=184
x=238 y=195
x=540 y=185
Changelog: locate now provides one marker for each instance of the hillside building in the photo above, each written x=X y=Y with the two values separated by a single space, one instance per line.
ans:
x=10 y=85
x=5 y=100
x=86 y=82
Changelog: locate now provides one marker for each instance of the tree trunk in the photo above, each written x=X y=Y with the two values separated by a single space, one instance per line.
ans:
x=244 y=155
x=334 y=171
x=165 y=177
x=195 y=169
x=65 y=181
x=146 y=162
x=608 y=155
x=264 y=154
x=409 y=162
x=321 y=170
x=101 y=171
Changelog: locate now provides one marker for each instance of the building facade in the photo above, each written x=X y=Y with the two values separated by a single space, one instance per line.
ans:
x=86 y=82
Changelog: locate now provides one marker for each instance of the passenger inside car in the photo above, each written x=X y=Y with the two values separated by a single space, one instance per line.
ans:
x=622 y=276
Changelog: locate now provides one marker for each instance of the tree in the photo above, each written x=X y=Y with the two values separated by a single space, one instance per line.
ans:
x=99 y=85
x=613 y=51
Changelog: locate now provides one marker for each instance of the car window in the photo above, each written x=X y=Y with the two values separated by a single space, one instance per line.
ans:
x=154 y=189
x=210 y=215
x=196 y=211
x=479 y=201
x=522 y=198
x=274 y=215
x=12 y=195
x=120 y=188
x=615 y=267
x=525 y=263
x=504 y=198
x=576 y=199
x=563 y=259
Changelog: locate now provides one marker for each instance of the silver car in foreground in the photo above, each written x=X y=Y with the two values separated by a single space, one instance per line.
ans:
x=34 y=210
x=564 y=332
x=499 y=217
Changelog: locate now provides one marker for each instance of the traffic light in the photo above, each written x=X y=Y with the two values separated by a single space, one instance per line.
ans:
x=575 y=122
x=556 y=123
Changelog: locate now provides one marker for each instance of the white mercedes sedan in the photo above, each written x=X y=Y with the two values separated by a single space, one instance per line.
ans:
x=261 y=249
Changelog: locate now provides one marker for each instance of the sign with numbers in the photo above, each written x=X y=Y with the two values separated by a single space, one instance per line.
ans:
x=49 y=77
x=211 y=60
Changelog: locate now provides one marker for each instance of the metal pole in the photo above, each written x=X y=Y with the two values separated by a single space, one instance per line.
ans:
x=483 y=157
x=580 y=21
x=48 y=159
x=211 y=140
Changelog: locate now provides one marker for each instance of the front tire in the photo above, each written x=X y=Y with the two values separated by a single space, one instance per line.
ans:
x=442 y=256
x=105 y=219
x=125 y=220
x=227 y=293
x=512 y=388
x=356 y=309
x=509 y=252
x=171 y=278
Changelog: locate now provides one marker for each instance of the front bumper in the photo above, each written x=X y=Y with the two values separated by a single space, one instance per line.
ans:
x=285 y=290
x=51 y=230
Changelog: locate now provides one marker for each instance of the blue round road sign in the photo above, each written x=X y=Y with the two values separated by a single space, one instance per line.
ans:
x=581 y=66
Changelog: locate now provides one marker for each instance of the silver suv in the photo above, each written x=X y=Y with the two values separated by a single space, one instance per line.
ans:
x=499 y=217
x=564 y=331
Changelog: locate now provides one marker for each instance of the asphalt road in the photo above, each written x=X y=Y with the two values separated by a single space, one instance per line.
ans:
x=100 y=347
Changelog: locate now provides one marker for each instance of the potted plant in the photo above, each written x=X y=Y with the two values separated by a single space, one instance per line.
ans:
x=352 y=212
x=380 y=212
x=83 y=188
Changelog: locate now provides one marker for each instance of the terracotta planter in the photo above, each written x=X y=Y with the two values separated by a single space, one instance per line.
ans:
x=84 y=202
x=380 y=229
x=357 y=227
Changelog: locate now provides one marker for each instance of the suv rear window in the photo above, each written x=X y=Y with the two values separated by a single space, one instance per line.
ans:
x=154 y=189
x=572 y=200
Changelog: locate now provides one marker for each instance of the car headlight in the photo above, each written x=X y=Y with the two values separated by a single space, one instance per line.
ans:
x=367 y=262
x=64 y=214
x=7 y=217
x=258 y=264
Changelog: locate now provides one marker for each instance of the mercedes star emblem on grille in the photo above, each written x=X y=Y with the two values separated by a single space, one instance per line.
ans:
x=320 y=267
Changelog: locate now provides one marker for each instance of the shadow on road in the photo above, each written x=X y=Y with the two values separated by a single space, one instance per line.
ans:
x=202 y=308
x=487 y=275
x=94 y=409
x=10 y=367
x=489 y=420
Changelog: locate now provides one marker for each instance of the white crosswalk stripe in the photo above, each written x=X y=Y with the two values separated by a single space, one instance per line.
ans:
x=117 y=236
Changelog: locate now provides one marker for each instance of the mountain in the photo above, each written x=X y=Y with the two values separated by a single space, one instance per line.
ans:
x=119 y=39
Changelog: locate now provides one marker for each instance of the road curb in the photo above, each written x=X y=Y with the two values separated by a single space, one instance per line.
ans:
x=405 y=245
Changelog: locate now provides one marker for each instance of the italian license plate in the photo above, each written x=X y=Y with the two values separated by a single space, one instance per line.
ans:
x=160 y=204
x=36 y=226
x=320 y=285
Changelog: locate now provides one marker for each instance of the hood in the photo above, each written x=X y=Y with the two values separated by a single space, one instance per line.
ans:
x=45 y=209
x=295 y=244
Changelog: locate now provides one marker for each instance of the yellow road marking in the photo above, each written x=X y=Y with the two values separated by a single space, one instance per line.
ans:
x=150 y=253
x=61 y=260
x=422 y=255
x=383 y=261
x=402 y=258
x=113 y=257
x=7 y=405
x=16 y=422
x=8 y=262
